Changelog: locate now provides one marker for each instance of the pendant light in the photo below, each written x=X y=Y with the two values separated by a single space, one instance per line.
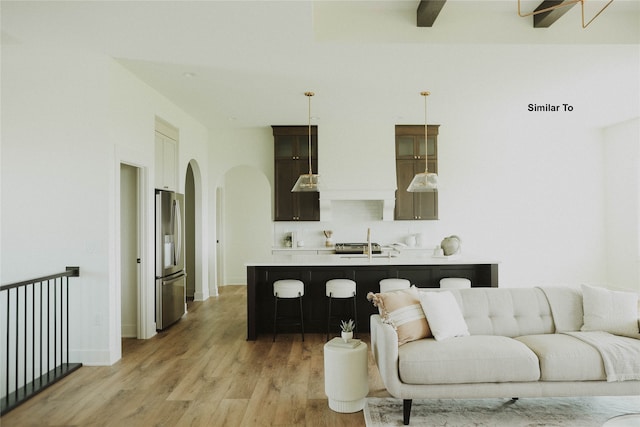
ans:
x=424 y=182
x=308 y=181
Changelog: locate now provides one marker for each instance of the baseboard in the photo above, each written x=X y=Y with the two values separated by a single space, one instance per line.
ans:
x=91 y=357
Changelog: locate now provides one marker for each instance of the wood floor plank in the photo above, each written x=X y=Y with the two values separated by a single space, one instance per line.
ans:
x=316 y=385
x=199 y=372
x=230 y=413
x=199 y=414
x=263 y=403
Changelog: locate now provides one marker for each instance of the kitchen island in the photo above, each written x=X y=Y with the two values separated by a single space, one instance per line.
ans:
x=422 y=270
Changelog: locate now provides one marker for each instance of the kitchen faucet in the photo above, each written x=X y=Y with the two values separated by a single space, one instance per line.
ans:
x=368 y=249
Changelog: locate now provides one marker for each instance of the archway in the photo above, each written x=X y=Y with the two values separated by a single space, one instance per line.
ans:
x=248 y=230
x=196 y=261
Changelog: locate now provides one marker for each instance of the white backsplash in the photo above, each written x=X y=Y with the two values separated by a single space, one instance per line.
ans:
x=352 y=227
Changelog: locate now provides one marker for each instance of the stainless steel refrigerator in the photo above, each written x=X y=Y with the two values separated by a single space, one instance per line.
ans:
x=170 y=272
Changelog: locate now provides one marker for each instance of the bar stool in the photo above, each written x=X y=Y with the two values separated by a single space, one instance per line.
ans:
x=287 y=289
x=387 y=285
x=455 y=283
x=341 y=288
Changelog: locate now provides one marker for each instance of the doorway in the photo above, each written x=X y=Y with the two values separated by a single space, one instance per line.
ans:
x=190 y=232
x=129 y=250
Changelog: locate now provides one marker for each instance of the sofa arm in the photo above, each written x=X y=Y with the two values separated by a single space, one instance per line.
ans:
x=384 y=346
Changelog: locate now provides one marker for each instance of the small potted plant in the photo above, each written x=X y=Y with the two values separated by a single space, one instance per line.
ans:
x=347 y=329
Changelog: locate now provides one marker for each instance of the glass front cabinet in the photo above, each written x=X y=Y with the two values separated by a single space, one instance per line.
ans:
x=410 y=160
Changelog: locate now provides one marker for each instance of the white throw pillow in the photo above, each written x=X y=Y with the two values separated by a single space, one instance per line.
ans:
x=615 y=312
x=443 y=314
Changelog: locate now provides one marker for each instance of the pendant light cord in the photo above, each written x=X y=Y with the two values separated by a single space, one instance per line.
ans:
x=426 y=143
x=309 y=95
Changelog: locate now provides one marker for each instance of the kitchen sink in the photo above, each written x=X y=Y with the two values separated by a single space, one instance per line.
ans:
x=367 y=256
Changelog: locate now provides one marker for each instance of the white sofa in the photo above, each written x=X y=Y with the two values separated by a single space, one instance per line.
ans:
x=518 y=345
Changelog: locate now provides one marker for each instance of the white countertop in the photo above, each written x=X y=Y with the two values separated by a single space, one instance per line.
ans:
x=302 y=248
x=340 y=260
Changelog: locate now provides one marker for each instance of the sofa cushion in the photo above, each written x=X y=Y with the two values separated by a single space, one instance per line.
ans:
x=565 y=358
x=470 y=359
x=566 y=307
x=510 y=312
x=615 y=312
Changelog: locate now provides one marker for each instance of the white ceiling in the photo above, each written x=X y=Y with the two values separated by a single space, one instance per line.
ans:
x=248 y=63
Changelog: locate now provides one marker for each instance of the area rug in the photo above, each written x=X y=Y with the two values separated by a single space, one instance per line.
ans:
x=529 y=412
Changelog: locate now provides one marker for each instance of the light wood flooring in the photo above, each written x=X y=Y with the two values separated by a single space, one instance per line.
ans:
x=200 y=372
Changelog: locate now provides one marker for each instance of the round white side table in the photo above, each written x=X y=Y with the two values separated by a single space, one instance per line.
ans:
x=346 y=381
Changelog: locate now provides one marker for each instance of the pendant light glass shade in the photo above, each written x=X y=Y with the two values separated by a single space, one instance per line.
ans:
x=427 y=181
x=309 y=181
x=423 y=182
x=306 y=182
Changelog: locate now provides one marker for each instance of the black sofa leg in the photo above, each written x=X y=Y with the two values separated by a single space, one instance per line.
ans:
x=406 y=411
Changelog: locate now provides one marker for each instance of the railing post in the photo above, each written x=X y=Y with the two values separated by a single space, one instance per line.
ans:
x=8 y=336
x=75 y=271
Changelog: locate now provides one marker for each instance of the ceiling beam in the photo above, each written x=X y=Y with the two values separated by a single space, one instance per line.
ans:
x=545 y=19
x=428 y=11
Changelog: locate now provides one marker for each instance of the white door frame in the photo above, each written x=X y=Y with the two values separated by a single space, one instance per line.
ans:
x=146 y=283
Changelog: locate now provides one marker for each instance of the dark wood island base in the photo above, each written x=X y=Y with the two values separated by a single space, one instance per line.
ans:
x=260 y=278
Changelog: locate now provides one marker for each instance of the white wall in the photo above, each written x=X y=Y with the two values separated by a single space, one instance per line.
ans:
x=622 y=164
x=69 y=118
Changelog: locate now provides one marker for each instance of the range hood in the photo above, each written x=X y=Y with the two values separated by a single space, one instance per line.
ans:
x=376 y=204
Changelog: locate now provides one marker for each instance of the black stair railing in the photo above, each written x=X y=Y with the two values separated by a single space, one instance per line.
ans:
x=35 y=348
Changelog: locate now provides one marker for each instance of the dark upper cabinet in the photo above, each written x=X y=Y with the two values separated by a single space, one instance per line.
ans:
x=291 y=156
x=410 y=160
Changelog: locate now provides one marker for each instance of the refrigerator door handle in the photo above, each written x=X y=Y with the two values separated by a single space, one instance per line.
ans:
x=178 y=232
x=166 y=282
x=159 y=244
